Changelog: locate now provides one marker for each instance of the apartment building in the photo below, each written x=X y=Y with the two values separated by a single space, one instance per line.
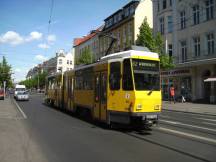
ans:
x=189 y=31
x=60 y=63
x=124 y=26
x=89 y=42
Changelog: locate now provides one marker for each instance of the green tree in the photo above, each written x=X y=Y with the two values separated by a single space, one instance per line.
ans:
x=33 y=82
x=145 y=37
x=154 y=44
x=5 y=73
x=86 y=57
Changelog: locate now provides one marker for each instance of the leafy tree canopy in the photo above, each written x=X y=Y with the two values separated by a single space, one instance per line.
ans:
x=154 y=44
x=86 y=57
x=5 y=73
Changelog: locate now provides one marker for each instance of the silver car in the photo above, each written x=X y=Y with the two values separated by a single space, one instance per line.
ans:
x=22 y=96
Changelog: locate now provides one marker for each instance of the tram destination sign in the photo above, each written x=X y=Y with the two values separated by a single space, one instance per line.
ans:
x=139 y=64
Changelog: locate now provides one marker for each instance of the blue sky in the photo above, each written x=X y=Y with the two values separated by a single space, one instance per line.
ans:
x=24 y=37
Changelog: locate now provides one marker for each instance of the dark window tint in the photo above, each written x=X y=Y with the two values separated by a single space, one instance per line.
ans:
x=127 y=81
x=164 y=4
x=103 y=88
x=115 y=75
x=146 y=74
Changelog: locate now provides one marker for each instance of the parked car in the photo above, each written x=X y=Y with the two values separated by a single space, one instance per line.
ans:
x=1 y=94
x=22 y=96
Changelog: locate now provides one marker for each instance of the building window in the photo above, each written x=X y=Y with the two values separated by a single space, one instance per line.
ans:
x=162 y=25
x=170 y=2
x=184 y=51
x=170 y=50
x=196 y=14
x=164 y=4
x=158 y=5
x=196 y=46
x=70 y=62
x=120 y=16
x=210 y=43
x=132 y=10
x=115 y=19
x=209 y=9
x=127 y=12
x=182 y=20
x=60 y=61
x=170 y=24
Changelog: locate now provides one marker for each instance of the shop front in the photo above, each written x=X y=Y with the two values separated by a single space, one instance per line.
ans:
x=180 y=79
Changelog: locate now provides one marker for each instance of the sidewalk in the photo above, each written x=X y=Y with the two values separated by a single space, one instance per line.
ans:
x=16 y=142
x=207 y=109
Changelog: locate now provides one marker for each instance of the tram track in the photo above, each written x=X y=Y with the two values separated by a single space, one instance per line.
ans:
x=152 y=137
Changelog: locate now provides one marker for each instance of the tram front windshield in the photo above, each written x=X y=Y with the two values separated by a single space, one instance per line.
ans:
x=146 y=74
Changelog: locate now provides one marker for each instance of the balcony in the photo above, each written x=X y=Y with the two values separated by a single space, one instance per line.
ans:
x=192 y=60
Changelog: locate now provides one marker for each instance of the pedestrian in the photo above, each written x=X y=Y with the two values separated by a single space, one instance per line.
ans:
x=172 y=94
x=183 y=94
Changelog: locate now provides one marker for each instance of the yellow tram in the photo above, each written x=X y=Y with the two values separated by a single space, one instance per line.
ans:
x=121 y=88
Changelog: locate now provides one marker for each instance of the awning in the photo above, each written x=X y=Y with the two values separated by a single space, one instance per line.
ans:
x=210 y=79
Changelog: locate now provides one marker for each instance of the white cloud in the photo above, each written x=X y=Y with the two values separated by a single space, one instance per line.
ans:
x=40 y=58
x=12 y=38
x=17 y=70
x=44 y=46
x=51 y=38
x=34 y=36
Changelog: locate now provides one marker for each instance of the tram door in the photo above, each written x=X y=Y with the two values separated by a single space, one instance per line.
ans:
x=100 y=96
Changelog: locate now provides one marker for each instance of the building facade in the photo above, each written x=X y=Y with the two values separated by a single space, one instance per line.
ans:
x=89 y=42
x=124 y=26
x=189 y=31
x=60 y=63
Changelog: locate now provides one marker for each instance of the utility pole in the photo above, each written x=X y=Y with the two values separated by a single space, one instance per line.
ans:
x=38 y=81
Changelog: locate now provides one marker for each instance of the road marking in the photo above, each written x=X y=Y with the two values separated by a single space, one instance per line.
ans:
x=194 y=126
x=209 y=123
x=164 y=116
x=23 y=114
x=188 y=135
x=214 y=120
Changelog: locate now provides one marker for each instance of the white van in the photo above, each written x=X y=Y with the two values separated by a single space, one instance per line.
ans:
x=19 y=88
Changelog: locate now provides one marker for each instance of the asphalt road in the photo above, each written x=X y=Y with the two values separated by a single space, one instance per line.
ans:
x=62 y=137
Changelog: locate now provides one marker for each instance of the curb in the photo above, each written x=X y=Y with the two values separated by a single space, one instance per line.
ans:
x=189 y=112
x=13 y=101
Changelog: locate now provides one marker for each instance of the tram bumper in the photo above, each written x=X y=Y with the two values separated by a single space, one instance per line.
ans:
x=134 y=119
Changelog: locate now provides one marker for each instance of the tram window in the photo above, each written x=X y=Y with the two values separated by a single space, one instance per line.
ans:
x=115 y=75
x=146 y=74
x=127 y=81
x=79 y=83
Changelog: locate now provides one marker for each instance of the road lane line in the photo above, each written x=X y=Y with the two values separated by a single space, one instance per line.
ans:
x=194 y=126
x=188 y=135
x=23 y=114
x=213 y=120
x=209 y=123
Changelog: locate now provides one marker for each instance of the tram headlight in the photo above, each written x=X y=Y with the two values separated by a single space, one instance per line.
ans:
x=139 y=106
x=157 y=107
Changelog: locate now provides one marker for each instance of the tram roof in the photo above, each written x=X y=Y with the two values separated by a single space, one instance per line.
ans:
x=130 y=53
